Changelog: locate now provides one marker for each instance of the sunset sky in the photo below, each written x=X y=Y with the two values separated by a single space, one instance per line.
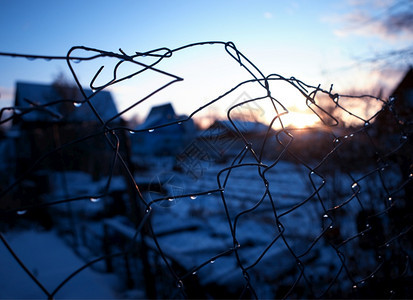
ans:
x=318 y=42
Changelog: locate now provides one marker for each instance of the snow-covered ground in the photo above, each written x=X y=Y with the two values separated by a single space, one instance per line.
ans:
x=196 y=220
x=51 y=261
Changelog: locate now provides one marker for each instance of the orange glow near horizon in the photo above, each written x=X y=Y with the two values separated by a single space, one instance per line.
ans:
x=299 y=120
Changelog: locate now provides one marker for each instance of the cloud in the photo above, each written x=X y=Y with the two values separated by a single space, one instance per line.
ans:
x=370 y=3
x=6 y=95
x=268 y=15
x=393 y=22
x=389 y=29
x=402 y=21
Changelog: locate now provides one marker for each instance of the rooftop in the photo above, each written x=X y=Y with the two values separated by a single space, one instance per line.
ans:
x=30 y=95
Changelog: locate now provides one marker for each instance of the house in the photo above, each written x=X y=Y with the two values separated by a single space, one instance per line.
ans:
x=223 y=139
x=63 y=151
x=50 y=118
x=394 y=124
x=403 y=95
x=168 y=140
x=30 y=95
x=394 y=131
x=399 y=113
x=246 y=128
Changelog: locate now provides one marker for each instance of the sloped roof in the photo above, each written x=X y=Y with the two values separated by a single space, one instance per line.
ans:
x=161 y=114
x=242 y=126
x=405 y=83
x=162 y=110
x=28 y=94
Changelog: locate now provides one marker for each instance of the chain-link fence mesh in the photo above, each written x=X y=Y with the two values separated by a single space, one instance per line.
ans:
x=240 y=210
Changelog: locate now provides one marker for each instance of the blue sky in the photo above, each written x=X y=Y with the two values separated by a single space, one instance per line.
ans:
x=315 y=41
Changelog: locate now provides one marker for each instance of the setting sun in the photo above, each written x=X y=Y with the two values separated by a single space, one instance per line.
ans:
x=299 y=119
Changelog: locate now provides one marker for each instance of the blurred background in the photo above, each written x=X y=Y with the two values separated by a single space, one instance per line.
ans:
x=264 y=153
x=363 y=46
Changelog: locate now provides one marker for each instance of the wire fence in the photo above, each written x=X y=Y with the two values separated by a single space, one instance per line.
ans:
x=332 y=201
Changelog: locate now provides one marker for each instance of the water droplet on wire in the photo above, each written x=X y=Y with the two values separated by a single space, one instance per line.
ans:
x=77 y=104
x=179 y=284
x=151 y=130
x=94 y=199
x=21 y=212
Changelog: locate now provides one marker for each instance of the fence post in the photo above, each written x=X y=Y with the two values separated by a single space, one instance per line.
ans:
x=129 y=280
x=106 y=249
x=147 y=274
